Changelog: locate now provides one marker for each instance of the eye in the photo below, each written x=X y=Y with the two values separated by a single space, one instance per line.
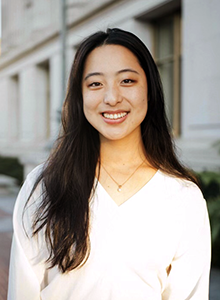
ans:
x=127 y=81
x=95 y=84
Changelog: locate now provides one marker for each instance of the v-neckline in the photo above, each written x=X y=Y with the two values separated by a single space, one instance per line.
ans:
x=146 y=185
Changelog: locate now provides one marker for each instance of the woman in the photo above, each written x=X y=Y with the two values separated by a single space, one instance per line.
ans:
x=113 y=214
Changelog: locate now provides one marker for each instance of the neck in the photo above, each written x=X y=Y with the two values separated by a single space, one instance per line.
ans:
x=127 y=151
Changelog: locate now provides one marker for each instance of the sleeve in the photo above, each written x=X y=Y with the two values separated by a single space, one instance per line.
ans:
x=189 y=275
x=26 y=269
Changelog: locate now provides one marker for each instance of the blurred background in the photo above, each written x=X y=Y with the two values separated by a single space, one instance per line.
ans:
x=38 y=41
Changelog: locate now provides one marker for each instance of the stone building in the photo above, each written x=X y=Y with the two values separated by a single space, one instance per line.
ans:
x=183 y=36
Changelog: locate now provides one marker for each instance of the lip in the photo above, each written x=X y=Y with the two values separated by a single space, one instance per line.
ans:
x=114 y=121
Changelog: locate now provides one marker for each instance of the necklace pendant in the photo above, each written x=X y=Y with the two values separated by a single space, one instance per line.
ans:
x=119 y=188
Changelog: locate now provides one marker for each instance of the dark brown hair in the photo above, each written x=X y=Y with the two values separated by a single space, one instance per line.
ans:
x=68 y=176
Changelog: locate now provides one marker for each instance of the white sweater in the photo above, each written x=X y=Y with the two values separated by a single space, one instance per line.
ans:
x=132 y=246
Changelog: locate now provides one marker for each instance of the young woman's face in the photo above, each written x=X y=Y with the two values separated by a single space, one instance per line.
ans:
x=114 y=89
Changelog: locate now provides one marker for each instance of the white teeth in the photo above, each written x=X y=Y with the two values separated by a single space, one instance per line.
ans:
x=114 y=116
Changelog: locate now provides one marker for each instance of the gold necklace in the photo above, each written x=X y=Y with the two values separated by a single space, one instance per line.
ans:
x=120 y=185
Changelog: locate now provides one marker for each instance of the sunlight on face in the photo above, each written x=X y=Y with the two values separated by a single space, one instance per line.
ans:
x=114 y=88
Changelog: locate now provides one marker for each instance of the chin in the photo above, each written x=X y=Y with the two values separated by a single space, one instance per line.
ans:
x=112 y=137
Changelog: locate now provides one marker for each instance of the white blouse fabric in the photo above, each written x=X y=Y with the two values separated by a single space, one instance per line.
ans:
x=132 y=246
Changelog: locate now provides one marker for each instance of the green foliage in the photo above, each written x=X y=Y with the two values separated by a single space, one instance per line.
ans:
x=10 y=166
x=214 y=215
x=210 y=186
x=214 y=212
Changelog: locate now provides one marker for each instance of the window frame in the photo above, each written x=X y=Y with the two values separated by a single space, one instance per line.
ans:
x=175 y=58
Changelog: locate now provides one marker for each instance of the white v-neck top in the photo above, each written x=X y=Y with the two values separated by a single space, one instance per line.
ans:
x=132 y=246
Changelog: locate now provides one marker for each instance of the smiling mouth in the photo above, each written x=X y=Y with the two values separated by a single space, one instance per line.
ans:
x=114 y=116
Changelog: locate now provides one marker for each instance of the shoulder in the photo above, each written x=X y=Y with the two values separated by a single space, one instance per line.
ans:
x=25 y=199
x=183 y=194
x=179 y=186
x=26 y=208
x=34 y=174
x=30 y=182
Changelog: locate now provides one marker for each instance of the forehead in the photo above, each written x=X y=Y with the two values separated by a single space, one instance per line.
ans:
x=110 y=57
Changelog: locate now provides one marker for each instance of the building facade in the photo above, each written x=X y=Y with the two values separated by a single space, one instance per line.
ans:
x=183 y=37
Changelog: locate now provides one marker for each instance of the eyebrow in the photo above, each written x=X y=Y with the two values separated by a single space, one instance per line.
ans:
x=102 y=74
x=127 y=70
x=93 y=74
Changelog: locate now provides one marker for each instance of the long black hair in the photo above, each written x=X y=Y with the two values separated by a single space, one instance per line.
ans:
x=68 y=176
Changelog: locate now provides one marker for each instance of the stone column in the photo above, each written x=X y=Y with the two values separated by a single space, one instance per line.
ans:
x=55 y=94
x=28 y=104
x=70 y=53
x=14 y=108
x=42 y=128
x=4 y=111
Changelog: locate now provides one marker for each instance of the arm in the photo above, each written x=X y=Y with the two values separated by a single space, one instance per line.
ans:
x=189 y=275
x=26 y=270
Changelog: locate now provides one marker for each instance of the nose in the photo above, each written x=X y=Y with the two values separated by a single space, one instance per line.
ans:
x=112 y=95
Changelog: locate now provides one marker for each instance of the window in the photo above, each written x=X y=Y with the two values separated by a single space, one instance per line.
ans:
x=168 y=60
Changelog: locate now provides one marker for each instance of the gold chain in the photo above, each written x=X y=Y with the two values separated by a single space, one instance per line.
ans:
x=120 y=185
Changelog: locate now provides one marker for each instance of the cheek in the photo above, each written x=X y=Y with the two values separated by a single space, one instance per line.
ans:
x=143 y=102
x=87 y=102
x=89 y=108
x=143 y=107
x=86 y=107
x=91 y=103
